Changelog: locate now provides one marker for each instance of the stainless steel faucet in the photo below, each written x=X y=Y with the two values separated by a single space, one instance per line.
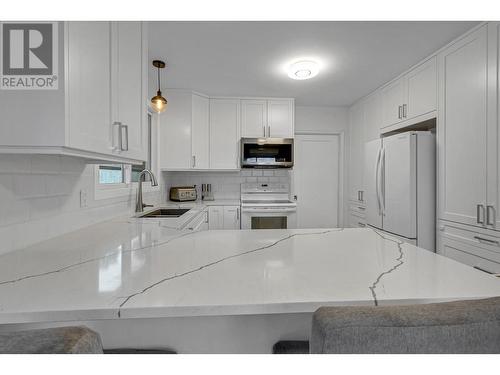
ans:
x=139 y=206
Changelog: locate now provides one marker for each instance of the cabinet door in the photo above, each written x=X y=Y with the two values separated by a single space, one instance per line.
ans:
x=253 y=118
x=422 y=90
x=231 y=217
x=224 y=133
x=175 y=131
x=88 y=86
x=462 y=130
x=129 y=92
x=200 y=129
x=356 y=152
x=393 y=97
x=493 y=163
x=373 y=116
x=280 y=118
x=215 y=217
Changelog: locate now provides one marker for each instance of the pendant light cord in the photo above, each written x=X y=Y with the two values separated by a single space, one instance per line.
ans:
x=159 y=79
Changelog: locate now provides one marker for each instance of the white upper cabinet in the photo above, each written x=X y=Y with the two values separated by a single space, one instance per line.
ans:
x=99 y=110
x=280 y=122
x=253 y=118
x=224 y=133
x=267 y=118
x=422 y=89
x=393 y=97
x=89 y=90
x=129 y=85
x=200 y=133
x=462 y=129
x=411 y=98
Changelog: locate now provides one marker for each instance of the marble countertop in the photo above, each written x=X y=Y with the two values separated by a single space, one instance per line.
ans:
x=132 y=268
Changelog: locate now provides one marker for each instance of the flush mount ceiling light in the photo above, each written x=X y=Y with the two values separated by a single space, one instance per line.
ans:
x=303 y=70
x=158 y=102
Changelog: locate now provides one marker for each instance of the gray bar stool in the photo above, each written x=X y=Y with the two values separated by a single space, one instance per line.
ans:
x=453 y=327
x=70 y=340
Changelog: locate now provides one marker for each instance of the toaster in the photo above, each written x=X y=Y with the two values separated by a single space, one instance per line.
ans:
x=183 y=193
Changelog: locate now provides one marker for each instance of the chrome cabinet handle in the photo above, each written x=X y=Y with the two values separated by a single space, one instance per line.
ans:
x=480 y=214
x=490 y=209
x=487 y=240
x=237 y=214
x=361 y=224
x=269 y=131
x=193 y=162
x=122 y=128
x=117 y=132
x=404 y=111
x=264 y=130
x=361 y=208
x=399 y=112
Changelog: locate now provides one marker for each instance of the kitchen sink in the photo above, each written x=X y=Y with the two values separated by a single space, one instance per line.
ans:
x=166 y=212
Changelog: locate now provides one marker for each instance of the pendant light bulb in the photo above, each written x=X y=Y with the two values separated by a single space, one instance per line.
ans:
x=158 y=102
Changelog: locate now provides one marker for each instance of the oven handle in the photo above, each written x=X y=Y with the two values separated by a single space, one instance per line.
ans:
x=268 y=210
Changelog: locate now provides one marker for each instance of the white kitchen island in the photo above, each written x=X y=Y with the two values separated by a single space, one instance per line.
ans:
x=144 y=283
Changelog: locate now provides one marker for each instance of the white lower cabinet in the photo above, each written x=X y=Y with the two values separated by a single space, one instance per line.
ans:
x=357 y=215
x=224 y=217
x=477 y=249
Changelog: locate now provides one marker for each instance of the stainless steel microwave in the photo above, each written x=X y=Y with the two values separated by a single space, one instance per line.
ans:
x=266 y=152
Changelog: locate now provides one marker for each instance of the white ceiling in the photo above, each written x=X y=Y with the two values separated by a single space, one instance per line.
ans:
x=247 y=58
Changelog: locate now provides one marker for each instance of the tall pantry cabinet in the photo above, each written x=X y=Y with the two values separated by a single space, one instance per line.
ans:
x=468 y=149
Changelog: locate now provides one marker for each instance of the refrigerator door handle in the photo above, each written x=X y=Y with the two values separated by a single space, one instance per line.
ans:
x=377 y=182
x=382 y=180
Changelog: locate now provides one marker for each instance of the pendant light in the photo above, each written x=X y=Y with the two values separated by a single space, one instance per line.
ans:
x=158 y=102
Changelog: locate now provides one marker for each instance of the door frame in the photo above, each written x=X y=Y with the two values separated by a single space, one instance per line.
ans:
x=340 y=197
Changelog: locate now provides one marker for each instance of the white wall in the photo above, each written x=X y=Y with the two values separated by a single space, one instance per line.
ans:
x=40 y=199
x=327 y=120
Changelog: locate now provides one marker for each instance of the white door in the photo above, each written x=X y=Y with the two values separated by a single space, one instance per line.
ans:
x=422 y=89
x=89 y=81
x=399 y=198
x=316 y=180
x=231 y=217
x=280 y=118
x=215 y=217
x=372 y=183
x=253 y=118
x=200 y=132
x=128 y=82
x=224 y=133
x=393 y=97
x=462 y=137
x=356 y=151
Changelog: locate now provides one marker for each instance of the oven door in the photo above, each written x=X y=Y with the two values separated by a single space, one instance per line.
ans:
x=268 y=218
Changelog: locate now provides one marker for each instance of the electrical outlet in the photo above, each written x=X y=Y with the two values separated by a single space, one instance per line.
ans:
x=83 y=198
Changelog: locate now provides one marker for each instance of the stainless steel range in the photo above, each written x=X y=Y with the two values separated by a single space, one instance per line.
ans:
x=267 y=206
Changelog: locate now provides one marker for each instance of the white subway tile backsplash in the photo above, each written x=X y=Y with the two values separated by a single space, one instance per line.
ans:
x=268 y=173
x=257 y=172
x=40 y=199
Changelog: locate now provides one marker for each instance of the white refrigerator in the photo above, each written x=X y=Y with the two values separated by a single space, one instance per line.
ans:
x=400 y=179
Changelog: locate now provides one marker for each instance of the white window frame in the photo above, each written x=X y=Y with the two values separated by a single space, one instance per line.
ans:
x=125 y=189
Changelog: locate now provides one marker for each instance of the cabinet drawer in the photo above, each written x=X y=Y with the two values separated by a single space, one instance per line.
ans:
x=467 y=254
x=358 y=208
x=485 y=245
x=356 y=220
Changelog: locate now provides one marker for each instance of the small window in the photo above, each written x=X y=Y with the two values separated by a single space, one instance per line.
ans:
x=111 y=174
